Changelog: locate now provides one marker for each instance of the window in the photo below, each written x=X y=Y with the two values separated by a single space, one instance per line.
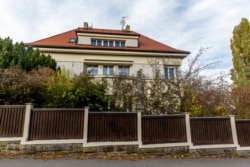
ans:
x=107 y=70
x=169 y=73
x=117 y=43
x=93 y=42
x=122 y=44
x=99 y=43
x=123 y=70
x=111 y=43
x=92 y=69
x=72 y=40
x=105 y=43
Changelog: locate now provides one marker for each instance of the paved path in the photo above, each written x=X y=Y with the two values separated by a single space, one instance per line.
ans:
x=126 y=163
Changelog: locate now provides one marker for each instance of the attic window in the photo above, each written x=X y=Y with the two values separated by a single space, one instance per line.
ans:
x=72 y=40
x=105 y=42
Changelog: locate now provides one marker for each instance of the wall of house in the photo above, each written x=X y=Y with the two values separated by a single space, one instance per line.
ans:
x=75 y=62
x=72 y=66
x=81 y=57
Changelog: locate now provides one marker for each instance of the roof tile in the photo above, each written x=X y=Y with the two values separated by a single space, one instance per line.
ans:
x=62 y=40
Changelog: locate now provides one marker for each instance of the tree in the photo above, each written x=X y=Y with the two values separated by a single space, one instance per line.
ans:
x=25 y=58
x=241 y=102
x=190 y=86
x=59 y=91
x=211 y=98
x=240 y=46
x=122 y=93
x=89 y=92
x=189 y=92
x=19 y=87
x=7 y=58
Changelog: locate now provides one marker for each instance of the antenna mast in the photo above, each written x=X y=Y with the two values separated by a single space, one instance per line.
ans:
x=123 y=22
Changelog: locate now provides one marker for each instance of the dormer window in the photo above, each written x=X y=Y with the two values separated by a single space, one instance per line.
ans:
x=110 y=43
x=93 y=42
x=122 y=44
x=99 y=43
x=105 y=43
x=107 y=38
x=117 y=43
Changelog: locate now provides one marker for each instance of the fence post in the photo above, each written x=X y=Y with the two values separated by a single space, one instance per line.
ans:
x=234 y=132
x=85 y=128
x=26 y=123
x=188 y=129
x=139 y=128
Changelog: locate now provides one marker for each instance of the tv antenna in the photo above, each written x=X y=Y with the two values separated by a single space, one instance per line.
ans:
x=123 y=22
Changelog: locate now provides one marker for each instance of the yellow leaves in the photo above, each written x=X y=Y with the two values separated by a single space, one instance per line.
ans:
x=195 y=107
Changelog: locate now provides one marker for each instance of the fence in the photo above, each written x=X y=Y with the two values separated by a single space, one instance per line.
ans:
x=163 y=129
x=80 y=126
x=205 y=131
x=243 y=129
x=12 y=120
x=112 y=127
x=56 y=124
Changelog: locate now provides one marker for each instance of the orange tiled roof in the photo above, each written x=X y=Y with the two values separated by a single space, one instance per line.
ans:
x=146 y=44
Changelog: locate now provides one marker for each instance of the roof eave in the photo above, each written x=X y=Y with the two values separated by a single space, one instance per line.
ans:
x=150 y=53
x=111 y=49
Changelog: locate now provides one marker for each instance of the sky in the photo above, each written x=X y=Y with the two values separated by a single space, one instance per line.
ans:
x=183 y=24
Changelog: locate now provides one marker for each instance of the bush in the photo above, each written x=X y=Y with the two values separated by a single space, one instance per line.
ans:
x=20 y=87
x=46 y=88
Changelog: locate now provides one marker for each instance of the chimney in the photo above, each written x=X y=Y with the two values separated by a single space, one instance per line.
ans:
x=127 y=28
x=85 y=25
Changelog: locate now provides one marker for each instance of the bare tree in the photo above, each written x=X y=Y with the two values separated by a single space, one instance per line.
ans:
x=188 y=92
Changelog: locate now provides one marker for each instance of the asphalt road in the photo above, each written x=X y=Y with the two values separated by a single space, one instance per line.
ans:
x=126 y=163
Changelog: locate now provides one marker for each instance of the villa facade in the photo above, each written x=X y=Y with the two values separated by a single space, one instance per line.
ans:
x=106 y=52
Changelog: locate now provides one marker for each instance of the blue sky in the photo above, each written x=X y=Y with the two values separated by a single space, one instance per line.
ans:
x=183 y=24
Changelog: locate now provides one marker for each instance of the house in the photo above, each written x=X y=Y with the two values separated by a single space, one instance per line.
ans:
x=106 y=52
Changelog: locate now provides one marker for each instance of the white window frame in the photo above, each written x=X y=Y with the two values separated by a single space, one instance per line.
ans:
x=169 y=72
x=110 y=43
x=122 y=70
x=91 y=69
x=110 y=68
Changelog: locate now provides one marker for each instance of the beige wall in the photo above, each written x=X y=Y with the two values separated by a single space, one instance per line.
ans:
x=74 y=60
x=115 y=58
